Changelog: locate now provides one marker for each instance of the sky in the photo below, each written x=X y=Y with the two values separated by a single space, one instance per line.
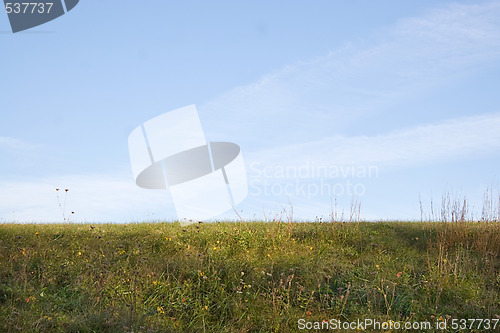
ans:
x=388 y=104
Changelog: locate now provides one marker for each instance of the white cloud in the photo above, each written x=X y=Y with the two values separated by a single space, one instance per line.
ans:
x=314 y=111
x=354 y=87
x=93 y=198
x=456 y=139
x=351 y=107
x=13 y=145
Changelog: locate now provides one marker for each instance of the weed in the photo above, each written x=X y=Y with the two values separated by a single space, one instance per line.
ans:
x=62 y=206
x=258 y=276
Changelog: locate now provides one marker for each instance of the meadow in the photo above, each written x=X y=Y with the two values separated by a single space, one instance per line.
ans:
x=245 y=276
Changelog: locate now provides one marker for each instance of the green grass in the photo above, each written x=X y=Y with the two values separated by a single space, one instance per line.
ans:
x=243 y=277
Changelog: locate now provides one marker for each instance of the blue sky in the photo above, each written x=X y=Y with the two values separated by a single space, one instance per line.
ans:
x=409 y=89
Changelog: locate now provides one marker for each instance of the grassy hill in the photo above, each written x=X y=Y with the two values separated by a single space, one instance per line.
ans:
x=245 y=277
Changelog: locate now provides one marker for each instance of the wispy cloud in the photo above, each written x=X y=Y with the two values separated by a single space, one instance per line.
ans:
x=317 y=110
x=458 y=140
x=371 y=102
x=16 y=153
x=421 y=145
x=13 y=145
x=349 y=89
x=93 y=198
